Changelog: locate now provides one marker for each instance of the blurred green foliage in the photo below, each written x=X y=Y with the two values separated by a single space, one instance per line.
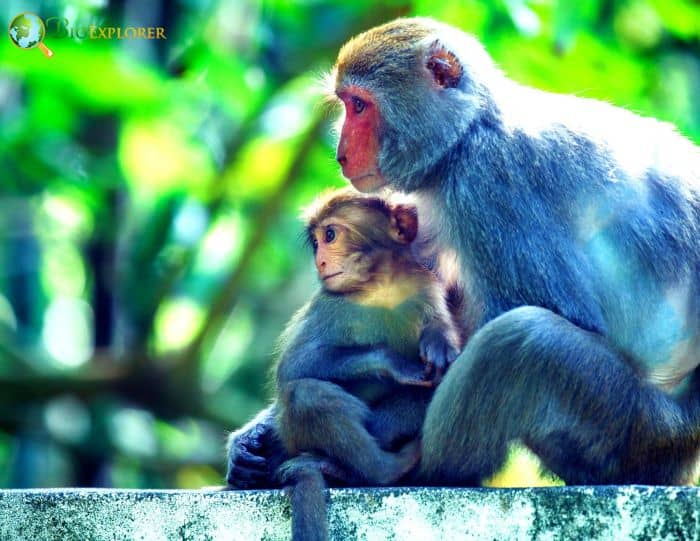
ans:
x=149 y=191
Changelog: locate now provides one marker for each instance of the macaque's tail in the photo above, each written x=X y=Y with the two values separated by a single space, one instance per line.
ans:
x=308 y=501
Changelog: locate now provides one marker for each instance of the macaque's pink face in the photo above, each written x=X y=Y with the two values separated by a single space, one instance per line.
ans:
x=330 y=255
x=358 y=147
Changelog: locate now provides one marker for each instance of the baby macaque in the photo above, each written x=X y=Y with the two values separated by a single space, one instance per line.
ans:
x=358 y=364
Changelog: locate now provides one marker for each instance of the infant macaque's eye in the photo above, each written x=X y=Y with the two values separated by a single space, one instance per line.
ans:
x=330 y=235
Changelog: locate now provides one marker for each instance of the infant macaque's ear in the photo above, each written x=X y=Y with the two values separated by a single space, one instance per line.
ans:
x=404 y=224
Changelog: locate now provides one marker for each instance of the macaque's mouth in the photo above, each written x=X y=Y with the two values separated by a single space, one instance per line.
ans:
x=368 y=182
x=361 y=177
x=324 y=278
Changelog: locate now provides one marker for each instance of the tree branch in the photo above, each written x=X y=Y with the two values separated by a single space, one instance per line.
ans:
x=226 y=299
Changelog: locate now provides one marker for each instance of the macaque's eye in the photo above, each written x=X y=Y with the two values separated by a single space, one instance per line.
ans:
x=358 y=105
x=330 y=234
x=314 y=244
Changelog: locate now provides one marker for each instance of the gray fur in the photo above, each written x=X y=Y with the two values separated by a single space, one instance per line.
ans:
x=586 y=211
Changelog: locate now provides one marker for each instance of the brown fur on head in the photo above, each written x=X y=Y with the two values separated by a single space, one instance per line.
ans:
x=372 y=219
x=410 y=89
x=386 y=78
x=370 y=51
x=356 y=235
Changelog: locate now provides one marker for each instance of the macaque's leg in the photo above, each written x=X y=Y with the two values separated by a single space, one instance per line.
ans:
x=321 y=417
x=399 y=418
x=533 y=376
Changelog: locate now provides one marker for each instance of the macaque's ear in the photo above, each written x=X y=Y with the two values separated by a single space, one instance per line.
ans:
x=404 y=224
x=444 y=66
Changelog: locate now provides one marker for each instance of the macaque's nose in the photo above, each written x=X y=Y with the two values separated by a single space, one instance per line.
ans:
x=342 y=160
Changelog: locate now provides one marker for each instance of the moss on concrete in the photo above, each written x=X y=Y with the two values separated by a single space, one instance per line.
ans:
x=366 y=514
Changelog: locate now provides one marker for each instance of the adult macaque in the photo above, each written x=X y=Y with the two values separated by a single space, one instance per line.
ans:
x=577 y=226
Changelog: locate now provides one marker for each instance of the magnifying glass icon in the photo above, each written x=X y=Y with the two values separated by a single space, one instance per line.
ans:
x=27 y=31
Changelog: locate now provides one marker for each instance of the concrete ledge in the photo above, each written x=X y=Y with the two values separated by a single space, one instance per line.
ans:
x=368 y=514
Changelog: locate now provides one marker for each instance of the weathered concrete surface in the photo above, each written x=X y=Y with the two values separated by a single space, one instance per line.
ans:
x=575 y=513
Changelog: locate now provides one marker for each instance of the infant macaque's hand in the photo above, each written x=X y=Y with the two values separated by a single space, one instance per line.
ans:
x=248 y=454
x=437 y=353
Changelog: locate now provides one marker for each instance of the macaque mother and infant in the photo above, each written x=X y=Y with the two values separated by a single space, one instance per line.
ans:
x=576 y=230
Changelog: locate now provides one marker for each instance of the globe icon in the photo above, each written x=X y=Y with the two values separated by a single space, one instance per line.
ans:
x=27 y=31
